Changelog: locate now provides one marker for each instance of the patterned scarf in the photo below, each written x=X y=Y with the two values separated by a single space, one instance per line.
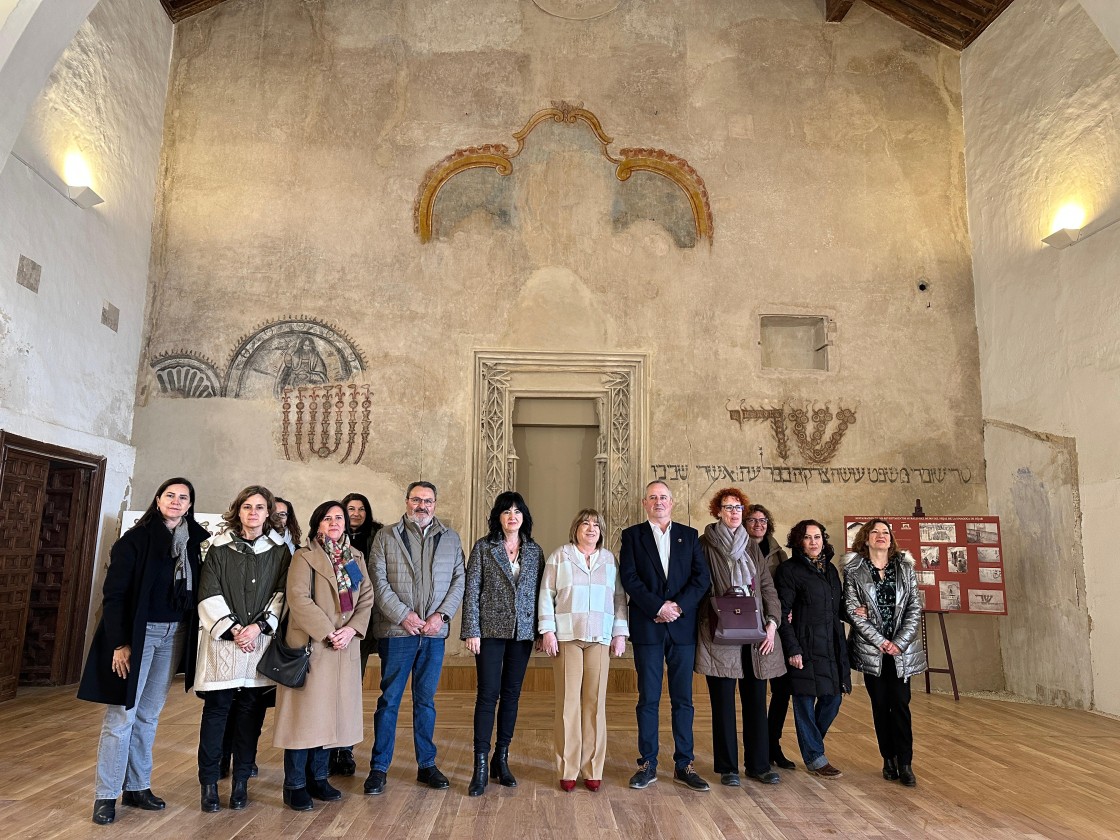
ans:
x=182 y=596
x=339 y=554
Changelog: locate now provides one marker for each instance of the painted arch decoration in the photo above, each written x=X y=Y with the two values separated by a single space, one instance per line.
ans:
x=500 y=158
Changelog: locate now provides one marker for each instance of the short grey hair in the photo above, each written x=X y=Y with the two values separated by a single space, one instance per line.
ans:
x=662 y=483
x=426 y=484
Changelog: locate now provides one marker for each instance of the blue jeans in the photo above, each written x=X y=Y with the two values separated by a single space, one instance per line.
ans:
x=299 y=764
x=421 y=658
x=124 y=754
x=650 y=662
x=812 y=716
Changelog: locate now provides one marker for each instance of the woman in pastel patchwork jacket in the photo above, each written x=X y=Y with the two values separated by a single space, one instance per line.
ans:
x=581 y=615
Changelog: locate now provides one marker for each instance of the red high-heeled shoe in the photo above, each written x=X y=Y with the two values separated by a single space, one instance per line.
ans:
x=592 y=784
x=567 y=785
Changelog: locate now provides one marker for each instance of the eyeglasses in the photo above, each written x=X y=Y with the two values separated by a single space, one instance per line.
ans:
x=758 y=520
x=415 y=502
x=731 y=508
x=281 y=514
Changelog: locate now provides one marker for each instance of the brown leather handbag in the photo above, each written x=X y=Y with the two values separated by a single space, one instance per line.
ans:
x=736 y=618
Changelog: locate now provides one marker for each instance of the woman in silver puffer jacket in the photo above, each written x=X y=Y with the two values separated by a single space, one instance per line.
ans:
x=882 y=600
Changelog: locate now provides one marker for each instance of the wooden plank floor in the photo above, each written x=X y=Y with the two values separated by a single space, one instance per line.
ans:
x=986 y=768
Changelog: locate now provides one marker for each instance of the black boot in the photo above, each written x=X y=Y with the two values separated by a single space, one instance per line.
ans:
x=906 y=775
x=890 y=769
x=298 y=799
x=210 y=801
x=342 y=762
x=477 y=786
x=499 y=768
x=239 y=795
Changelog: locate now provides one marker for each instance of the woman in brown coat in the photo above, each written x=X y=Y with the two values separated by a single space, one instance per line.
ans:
x=330 y=598
x=734 y=560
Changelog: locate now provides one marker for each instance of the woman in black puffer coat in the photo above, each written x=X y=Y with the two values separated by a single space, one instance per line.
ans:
x=809 y=587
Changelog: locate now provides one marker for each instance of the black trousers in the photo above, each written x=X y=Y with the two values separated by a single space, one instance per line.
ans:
x=501 y=665
x=781 y=689
x=752 y=696
x=890 y=709
x=244 y=708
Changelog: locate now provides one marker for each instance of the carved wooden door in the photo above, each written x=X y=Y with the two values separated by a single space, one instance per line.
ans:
x=51 y=578
x=21 y=507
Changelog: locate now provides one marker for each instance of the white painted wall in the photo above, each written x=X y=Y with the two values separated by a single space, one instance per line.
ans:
x=1041 y=92
x=64 y=377
x=33 y=34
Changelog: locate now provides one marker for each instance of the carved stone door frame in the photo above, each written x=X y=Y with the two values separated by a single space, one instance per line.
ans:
x=617 y=383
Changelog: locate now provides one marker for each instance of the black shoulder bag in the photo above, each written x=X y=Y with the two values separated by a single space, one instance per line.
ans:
x=285 y=665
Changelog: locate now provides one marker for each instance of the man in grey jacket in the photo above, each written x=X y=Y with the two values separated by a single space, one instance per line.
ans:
x=416 y=567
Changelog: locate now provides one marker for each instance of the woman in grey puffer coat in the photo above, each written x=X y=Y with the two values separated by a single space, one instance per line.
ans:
x=882 y=601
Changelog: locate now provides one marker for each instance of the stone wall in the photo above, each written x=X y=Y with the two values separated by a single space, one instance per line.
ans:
x=299 y=135
x=1042 y=88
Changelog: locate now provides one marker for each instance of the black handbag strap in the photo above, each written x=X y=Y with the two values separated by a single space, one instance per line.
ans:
x=282 y=625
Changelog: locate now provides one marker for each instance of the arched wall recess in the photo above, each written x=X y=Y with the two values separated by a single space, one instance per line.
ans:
x=499 y=157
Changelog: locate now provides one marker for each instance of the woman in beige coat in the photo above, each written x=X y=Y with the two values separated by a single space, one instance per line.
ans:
x=330 y=598
x=735 y=560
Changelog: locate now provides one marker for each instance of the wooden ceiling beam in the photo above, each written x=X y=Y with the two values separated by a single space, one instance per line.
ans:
x=910 y=18
x=178 y=10
x=835 y=10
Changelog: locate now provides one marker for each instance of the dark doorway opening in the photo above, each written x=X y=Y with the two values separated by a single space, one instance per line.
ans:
x=50 y=499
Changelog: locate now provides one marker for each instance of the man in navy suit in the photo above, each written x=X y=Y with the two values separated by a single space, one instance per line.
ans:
x=662 y=569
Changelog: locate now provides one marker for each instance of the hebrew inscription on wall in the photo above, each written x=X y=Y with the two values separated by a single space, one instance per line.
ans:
x=810 y=425
x=745 y=474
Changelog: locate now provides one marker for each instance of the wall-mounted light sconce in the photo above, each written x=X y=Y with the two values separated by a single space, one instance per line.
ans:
x=1070 y=228
x=77 y=176
x=1063 y=237
x=84 y=197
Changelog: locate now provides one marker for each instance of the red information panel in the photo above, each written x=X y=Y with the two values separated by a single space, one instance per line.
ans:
x=958 y=559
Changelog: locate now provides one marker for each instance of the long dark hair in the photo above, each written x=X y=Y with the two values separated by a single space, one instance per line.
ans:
x=293 y=523
x=505 y=501
x=152 y=514
x=232 y=517
x=317 y=517
x=797 y=534
x=368 y=528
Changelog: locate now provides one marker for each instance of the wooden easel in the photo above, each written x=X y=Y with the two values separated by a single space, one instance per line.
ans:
x=944 y=634
x=948 y=653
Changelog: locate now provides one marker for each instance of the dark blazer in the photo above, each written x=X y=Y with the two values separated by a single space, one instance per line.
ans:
x=817 y=632
x=124 y=610
x=493 y=606
x=639 y=569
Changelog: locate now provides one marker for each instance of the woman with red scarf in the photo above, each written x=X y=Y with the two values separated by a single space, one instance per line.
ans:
x=329 y=597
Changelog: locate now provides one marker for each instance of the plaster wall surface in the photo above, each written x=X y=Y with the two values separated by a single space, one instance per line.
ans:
x=64 y=377
x=1041 y=105
x=33 y=34
x=298 y=135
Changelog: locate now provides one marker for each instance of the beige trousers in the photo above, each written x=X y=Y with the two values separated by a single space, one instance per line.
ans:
x=581 y=670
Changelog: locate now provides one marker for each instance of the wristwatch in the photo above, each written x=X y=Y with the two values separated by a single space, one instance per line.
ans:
x=446 y=618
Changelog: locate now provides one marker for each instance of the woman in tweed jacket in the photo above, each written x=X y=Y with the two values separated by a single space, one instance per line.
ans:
x=581 y=613
x=499 y=627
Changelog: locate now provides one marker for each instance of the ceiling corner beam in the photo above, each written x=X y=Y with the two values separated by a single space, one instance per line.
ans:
x=835 y=10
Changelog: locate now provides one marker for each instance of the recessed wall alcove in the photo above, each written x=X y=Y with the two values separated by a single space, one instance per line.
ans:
x=616 y=382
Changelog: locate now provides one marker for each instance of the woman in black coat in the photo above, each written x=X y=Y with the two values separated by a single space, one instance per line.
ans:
x=809 y=587
x=149 y=612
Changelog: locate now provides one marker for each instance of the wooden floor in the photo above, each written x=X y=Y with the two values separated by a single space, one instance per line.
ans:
x=986 y=769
